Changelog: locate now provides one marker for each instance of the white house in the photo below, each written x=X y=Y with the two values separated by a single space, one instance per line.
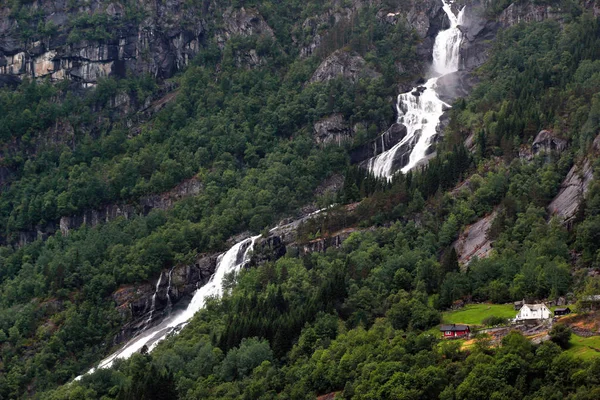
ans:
x=533 y=312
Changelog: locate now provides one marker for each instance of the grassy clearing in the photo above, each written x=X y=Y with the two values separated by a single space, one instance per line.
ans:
x=584 y=348
x=473 y=314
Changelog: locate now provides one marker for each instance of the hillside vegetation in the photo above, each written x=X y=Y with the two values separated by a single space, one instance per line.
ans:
x=356 y=319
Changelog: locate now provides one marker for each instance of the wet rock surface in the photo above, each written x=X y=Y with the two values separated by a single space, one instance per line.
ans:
x=134 y=303
x=383 y=142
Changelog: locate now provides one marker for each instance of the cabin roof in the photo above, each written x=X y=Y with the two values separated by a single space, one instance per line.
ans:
x=535 y=307
x=454 y=327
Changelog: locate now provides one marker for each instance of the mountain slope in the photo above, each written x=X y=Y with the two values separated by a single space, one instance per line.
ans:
x=246 y=123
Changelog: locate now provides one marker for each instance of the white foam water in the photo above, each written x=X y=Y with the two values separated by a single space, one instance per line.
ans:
x=229 y=262
x=421 y=108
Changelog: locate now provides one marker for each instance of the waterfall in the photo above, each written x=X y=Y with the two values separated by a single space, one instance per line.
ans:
x=153 y=302
x=229 y=262
x=421 y=108
x=169 y=302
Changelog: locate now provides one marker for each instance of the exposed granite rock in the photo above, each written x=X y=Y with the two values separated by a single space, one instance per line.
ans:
x=526 y=11
x=187 y=188
x=333 y=129
x=320 y=245
x=473 y=241
x=160 y=40
x=383 y=142
x=572 y=191
x=479 y=33
x=454 y=85
x=244 y=22
x=427 y=18
x=547 y=142
x=345 y=64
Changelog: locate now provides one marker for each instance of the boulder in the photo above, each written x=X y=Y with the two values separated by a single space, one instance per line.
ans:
x=547 y=142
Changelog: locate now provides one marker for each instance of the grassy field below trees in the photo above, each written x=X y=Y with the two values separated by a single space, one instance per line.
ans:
x=474 y=314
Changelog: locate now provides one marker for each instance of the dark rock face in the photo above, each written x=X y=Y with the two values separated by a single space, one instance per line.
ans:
x=526 y=11
x=333 y=129
x=161 y=39
x=157 y=45
x=383 y=142
x=547 y=142
x=134 y=303
x=343 y=64
x=473 y=241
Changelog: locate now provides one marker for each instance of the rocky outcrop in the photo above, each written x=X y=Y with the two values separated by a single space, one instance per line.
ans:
x=473 y=241
x=454 y=85
x=382 y=143
x=548 y=142
x=158 y=44
x=426 y=17
x=343 y=64
x=572 y=191
x=244 y=22
x=101 y=38
x=527 y=11
x=479 y=33
x=333 y=129
x=134 y=303
x=110 y=212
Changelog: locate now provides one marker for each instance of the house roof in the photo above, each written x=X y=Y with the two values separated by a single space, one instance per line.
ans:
x=535 y=307
x=562 y=309
x=454 y=328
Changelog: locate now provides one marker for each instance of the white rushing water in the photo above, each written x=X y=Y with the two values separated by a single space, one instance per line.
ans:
x=231 y=261
x=421 y=108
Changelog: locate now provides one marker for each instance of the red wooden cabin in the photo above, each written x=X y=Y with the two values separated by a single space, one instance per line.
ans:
x=453 y=331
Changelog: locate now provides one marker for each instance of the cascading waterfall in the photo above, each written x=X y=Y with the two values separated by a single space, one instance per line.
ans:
x=169 y=302
x=421 y=108
x=229 y=262
x=153 y=302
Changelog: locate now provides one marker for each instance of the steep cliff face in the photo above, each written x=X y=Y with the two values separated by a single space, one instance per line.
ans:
x=572 y=191
x=88 y=41
x=93 y=40
x=574 y=187
x=527 y=11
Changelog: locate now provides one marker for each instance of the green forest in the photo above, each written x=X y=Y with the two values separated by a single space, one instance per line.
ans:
x=359 y=320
